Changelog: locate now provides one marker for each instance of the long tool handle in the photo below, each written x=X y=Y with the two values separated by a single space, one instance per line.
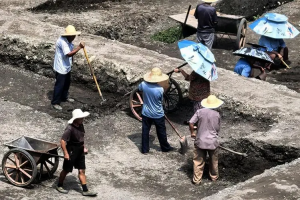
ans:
x=180 y=66
x=183 y=25
x=235 y=152
x=173 y=127
x=285 y=63
x=92 y=71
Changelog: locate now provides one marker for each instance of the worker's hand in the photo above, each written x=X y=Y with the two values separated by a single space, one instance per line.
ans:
x=81 y=44
x=279 y=56
x=176 y=70
x=85 y=150
x=193 y=135
x=67 y=157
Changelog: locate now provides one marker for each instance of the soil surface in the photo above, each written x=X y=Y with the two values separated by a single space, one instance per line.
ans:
x=115 y=167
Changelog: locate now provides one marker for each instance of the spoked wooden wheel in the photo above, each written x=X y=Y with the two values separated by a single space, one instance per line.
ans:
x=136 y=103
x=172 y=97
x=241 y=34
x=19 y=167
x=48 y=165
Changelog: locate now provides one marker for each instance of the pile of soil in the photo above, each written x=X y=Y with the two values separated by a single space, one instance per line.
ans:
x=249 y=9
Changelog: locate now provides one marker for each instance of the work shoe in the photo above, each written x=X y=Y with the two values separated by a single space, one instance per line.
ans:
x=70 y=100
x=89 y=193
x=61 y=190
x=57 y=107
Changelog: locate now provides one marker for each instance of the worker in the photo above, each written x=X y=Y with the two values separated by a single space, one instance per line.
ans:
x=72 y=144
x=64 y=52
x=152 y=111
x=206 y=15
x=246 y=67
x=206 y=138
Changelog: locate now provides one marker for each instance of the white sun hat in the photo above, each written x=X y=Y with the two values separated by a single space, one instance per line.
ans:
x=70 y=31
x=76 y=114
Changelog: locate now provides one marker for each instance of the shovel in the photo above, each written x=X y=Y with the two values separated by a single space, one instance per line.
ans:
x=183 y=140
x=93 y=74
x=235 y=152
x=286 y=65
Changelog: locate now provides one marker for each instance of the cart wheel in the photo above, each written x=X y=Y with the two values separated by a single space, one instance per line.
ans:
x=241 y=34
x=136 y=103
x=173 y=96
x=48 y=165
x=172 y=99
x=19 y=167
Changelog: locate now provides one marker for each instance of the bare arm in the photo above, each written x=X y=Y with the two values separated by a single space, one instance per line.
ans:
x=186 y=76
x=192 y=130
x=64 y=148
x=75 y=50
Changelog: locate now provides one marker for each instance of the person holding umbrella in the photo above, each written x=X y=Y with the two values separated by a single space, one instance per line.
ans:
x=202 y=61
x=252 y=58
x=153 y=111
x=275 y=48
x=64 y=53
x=273 y=28
x=207 y=20
x=206 y=139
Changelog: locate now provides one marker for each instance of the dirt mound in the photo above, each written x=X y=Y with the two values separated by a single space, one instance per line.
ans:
x=72 y=5
x=248 y=8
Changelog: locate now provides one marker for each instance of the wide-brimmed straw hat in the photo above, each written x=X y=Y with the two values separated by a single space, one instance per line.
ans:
x=155 y=76
x=76 y=114
x=70 y=31
x=209 y=1
x=211 y=102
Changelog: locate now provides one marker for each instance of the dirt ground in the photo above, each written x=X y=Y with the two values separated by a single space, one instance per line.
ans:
x=116 y=168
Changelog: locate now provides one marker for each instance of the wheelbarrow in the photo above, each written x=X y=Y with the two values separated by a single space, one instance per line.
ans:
x=28 y=157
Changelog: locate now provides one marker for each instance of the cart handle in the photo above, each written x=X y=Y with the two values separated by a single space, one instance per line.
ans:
x=50 y=154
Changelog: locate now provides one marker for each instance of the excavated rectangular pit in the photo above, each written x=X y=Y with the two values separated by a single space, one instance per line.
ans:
x=236 y=123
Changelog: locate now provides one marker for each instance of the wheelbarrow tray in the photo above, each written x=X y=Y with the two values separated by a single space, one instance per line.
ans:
x=28 y=156
x=35 y=147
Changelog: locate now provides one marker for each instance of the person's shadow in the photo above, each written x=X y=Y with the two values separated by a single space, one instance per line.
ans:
x=71 y=183
x=136 y=138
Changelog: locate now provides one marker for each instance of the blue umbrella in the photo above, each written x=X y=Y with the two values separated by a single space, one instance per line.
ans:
x=274 y=25
x=200 y=58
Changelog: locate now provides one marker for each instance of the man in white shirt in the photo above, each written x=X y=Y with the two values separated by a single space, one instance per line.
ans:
x=64 y=53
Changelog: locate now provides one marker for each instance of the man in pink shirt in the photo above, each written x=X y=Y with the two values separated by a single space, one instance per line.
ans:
x=206 y=139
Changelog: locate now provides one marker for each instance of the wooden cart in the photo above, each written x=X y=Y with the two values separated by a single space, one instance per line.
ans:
x=228 y=25
x=27 y=158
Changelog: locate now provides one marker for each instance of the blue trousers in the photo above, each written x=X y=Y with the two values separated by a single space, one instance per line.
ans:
x=61 y=88
x=160 y=131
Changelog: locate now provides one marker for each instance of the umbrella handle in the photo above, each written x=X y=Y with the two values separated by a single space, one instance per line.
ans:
x=180 y=66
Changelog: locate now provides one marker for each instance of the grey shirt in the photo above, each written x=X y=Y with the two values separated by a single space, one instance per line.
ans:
x=208 y=128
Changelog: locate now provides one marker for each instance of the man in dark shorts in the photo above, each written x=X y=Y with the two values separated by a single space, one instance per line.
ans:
x=207 y=20
x=72 y=144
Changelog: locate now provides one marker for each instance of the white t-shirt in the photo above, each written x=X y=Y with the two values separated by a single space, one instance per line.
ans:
x=62 y=63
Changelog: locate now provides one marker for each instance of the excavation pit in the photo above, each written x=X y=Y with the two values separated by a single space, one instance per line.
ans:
x=235 y=168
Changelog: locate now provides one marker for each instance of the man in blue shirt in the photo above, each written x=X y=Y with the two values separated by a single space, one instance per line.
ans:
x=274 y=47
x=153 y=111
x=244 y=67
x=64 y=53
x=207 y=20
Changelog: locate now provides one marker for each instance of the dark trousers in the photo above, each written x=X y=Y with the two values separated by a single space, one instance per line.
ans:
x=61 y=88
x=160 y=131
